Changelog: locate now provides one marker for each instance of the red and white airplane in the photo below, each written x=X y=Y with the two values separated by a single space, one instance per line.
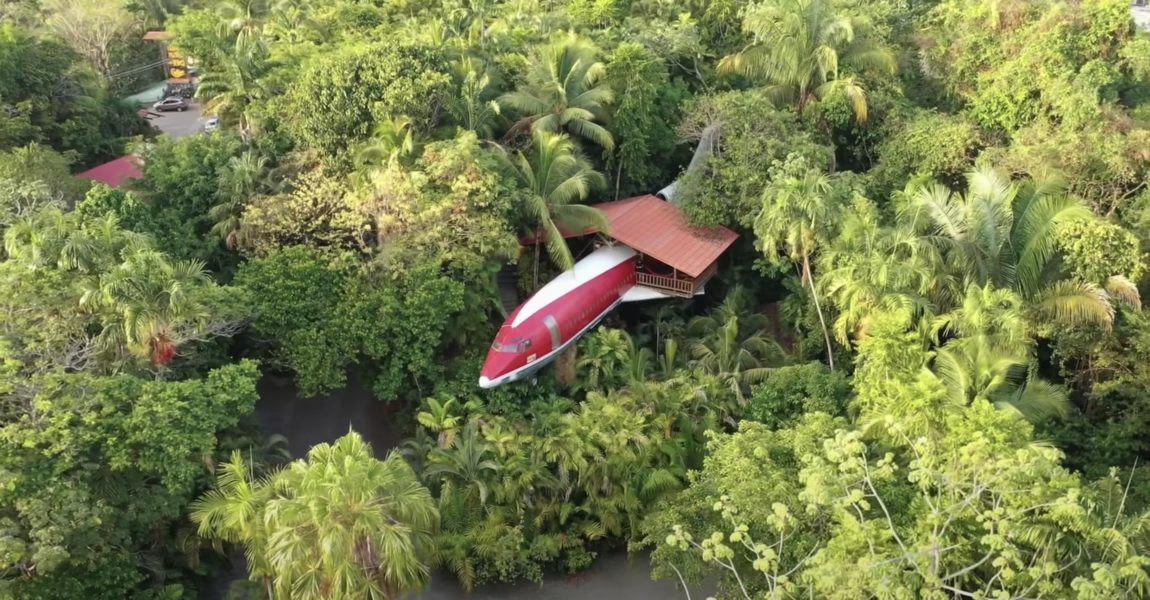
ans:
x=561 y=312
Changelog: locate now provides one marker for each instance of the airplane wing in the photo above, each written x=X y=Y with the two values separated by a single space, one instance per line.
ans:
x=641 y=293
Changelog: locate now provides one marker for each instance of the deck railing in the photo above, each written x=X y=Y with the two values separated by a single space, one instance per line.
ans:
x=679 y=287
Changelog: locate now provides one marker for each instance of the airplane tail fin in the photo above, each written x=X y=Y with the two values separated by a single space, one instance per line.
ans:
x=641 y=293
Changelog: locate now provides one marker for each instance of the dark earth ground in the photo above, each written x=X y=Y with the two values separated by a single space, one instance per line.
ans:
x=309 y=421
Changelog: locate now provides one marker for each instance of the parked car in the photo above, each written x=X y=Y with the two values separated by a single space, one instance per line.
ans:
x=212 y=124
x=173 y=103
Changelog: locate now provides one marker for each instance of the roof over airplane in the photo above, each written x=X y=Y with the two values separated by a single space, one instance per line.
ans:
x=114 y=173
x=660 y=230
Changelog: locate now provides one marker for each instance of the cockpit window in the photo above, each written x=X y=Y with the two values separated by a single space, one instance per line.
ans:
x=518 y=344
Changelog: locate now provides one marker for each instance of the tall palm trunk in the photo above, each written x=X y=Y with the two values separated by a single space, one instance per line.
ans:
x=618 y=175
x=565 y=366
x=810 y=279
x=535 y=277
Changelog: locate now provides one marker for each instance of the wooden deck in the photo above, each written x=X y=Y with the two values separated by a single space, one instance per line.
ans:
x=679 y=285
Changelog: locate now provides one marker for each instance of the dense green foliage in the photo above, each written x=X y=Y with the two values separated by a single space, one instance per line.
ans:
x=339 y=98
x=50 y=96
x=796 y=390
x=755 y=137
x=322 y=315
x=923 y=371
x=99 y=471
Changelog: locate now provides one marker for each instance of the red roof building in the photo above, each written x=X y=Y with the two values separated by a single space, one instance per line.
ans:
x=659 y=229
x=114 y=173
x=685 y=256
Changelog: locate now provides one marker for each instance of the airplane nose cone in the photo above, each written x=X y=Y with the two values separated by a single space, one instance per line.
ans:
x=485 y=383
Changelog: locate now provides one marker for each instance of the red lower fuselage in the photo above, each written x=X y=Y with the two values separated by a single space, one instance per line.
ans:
x=558 y=315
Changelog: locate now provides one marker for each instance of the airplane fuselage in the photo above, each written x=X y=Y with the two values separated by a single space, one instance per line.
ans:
x=559 y=314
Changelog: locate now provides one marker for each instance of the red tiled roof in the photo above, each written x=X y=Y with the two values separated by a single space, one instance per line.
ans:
x=660 y=230
x=157 y=35
x=114 y=173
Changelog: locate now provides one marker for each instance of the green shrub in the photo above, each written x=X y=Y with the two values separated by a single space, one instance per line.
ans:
x=789 y=392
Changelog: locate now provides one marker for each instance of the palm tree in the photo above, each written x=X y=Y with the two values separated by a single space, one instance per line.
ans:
x=289 y=21
x=468 y=461
x=736 y=304
x=737 y=358
x=244 y=18
x=557 y=176
x=730 y=344
x=870 y=270
x=346 y=525
x=56 y=239
x=563 y=93
x=796 y=220
x=472 y=106
x=262 y=451
x=603 y=354
x=240 y=179
x=230 y=92
x=994 y=316
x=393 y=142
x=976 y=369
x=668 y=359
x=232 y=511
x=340 y=524
x=440 y=419
x=990 y=355
x=639 y=361
x=797 y=51
x=1004 y=234
x=150 y=303
x=610 y=359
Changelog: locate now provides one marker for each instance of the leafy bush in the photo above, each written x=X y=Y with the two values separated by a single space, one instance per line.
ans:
x=99 y=470
x=647 y=103
x=789 y=392
x=925 y=142
x=340 y=97
x=754 y=135
x=1096 y=249
x=39 y=164
x=318 y=313
x=314 y=212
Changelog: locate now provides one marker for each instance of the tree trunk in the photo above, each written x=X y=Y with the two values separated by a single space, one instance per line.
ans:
x=565 y=366
x=535 y=280
x=618 y=175
x=815 y=296
x=103 y=63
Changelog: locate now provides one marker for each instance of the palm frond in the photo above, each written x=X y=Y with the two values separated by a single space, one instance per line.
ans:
x=856 y=96
x=524 y=103
x=1037 y=400
x=1072 y=302
x=592 y=131
x=1034 y=238
x=1123 y=290
x=580 y=217
x=557 y=246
